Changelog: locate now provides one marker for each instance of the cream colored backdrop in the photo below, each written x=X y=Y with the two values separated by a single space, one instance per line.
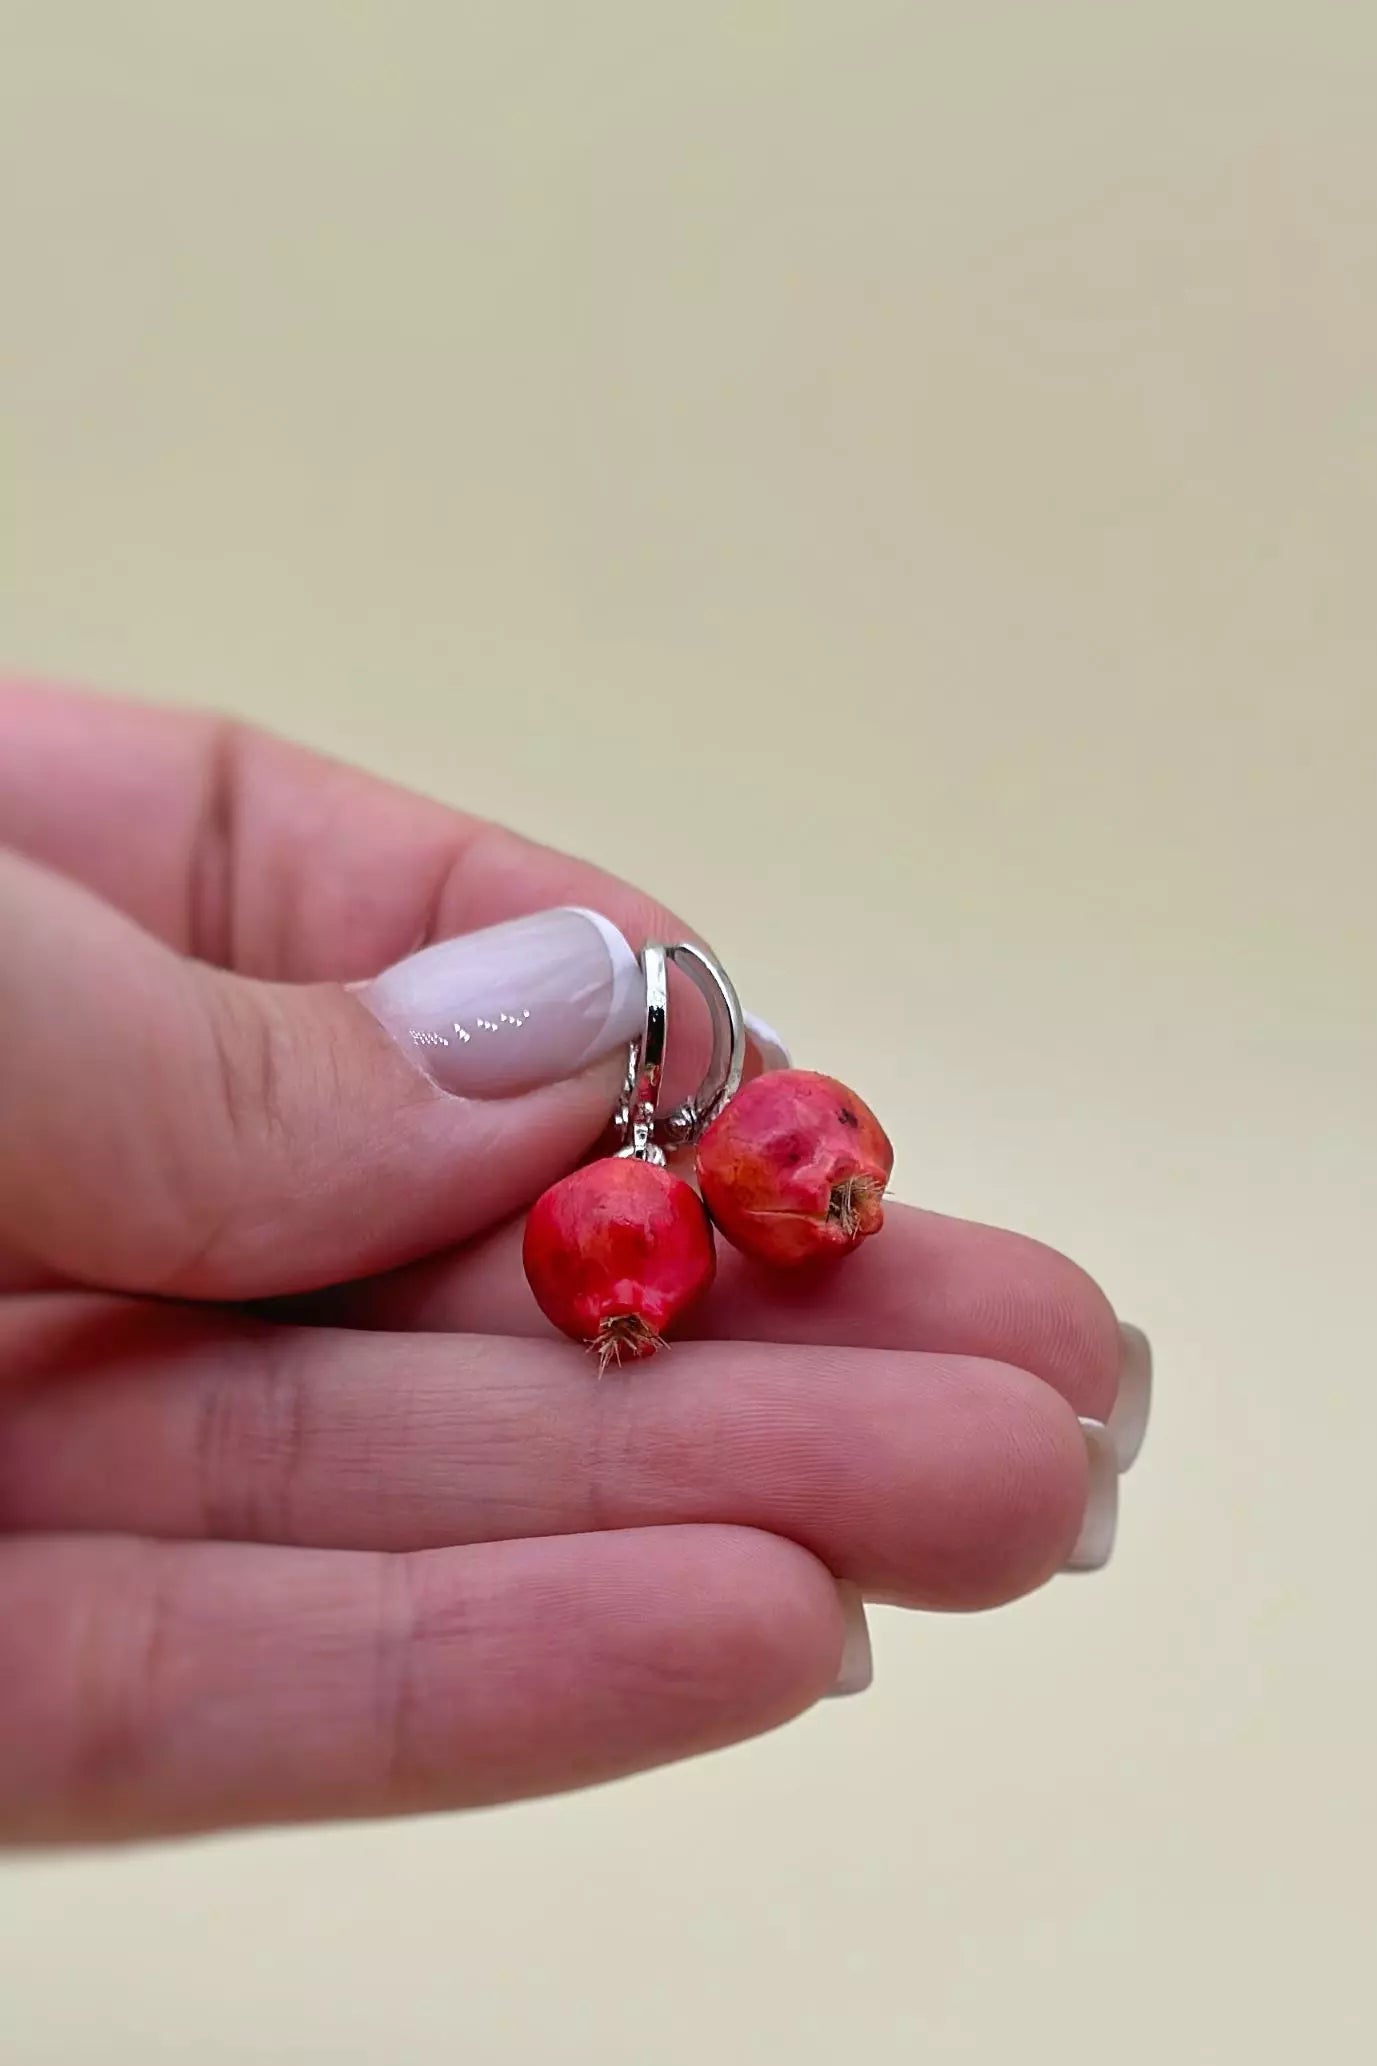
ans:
x=903 y=479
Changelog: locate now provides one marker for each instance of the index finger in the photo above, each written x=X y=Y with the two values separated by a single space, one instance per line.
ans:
x=261 y=856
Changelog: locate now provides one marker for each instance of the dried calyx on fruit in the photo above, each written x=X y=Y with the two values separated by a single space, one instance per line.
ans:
x=794 y=1169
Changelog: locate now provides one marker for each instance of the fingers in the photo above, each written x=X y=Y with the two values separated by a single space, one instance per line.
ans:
x=925 y=1282
x=152 y=1687
x=942 y=1481
x=172 y=1128
x=255 y=854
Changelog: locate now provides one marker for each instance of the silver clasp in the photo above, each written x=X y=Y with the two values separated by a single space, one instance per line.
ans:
x=646 y=1136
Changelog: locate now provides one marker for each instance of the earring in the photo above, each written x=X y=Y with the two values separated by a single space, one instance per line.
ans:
x=793 y=1169
x=616 y=1252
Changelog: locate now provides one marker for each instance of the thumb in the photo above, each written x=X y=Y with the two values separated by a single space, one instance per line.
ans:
x=167 y=1127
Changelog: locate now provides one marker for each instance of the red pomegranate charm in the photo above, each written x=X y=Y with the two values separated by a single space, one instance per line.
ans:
x=794 y=1169
x=616 y=1252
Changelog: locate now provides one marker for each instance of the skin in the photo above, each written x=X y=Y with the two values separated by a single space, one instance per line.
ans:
x=303 y=1511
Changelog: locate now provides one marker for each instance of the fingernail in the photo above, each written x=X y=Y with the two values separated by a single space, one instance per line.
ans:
x=1129 y=1418
x=857 y=1664
x=498 y=1012
x=772 y=1051
x=1096 y=1538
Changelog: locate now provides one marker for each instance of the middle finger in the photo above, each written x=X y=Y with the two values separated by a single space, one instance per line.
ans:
x=940 y=1480
x=927 y=1282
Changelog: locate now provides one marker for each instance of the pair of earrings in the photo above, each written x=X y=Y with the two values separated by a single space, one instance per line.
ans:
x=791 y=1169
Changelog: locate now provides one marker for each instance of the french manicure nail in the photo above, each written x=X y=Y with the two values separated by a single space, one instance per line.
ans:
x=1096 y=1539
x=494 y=1013
x=773 y=1053
x=1129 y=1418
x=857 y=1663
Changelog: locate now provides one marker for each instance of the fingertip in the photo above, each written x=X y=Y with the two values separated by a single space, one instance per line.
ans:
x=1007 y=1494
x=1035 y=1307
x=1037 y=1508
x=773 y=1627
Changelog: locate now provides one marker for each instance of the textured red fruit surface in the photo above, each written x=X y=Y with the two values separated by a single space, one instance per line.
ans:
x=795 y=1168
x=616 y=1252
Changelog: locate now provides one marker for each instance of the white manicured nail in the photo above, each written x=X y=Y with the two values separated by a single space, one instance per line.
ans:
x=1129 y=1419
x=1096 y=1538
x=773 y=1053
x=857 y=1664
x=498 y=1012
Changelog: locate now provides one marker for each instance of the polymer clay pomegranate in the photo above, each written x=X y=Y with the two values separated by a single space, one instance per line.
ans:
x=794 y=1169
x=616 y=1252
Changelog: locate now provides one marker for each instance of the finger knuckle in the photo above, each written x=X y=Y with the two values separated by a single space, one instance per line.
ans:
x=253 y=1441
x=398 y=1764
x=88 y=1718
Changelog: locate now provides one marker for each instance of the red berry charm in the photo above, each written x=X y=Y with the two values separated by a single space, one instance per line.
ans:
x=616 y=1252
x=794 y=1169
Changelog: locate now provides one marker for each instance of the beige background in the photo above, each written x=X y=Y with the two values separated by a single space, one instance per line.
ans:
x=903 y=479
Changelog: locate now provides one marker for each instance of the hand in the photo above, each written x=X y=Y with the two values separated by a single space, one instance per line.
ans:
x=390 y=1546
